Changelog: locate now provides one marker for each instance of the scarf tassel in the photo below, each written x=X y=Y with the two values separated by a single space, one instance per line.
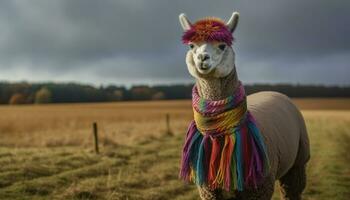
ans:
x=230 y=161
x=189 y=152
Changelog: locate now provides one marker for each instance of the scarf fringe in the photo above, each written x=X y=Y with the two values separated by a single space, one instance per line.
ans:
x=229 y=161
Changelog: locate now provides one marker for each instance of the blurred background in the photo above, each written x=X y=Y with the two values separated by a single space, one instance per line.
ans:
x=65 y=65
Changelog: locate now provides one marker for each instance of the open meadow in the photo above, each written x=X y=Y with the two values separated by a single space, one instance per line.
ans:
x=47 y=151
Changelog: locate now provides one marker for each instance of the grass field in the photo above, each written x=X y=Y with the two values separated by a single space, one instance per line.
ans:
x=46 y=152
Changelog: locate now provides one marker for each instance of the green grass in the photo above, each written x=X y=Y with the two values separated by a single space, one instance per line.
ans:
x=149 y=170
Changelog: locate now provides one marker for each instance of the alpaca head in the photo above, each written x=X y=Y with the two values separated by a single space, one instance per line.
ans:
x=210 y=53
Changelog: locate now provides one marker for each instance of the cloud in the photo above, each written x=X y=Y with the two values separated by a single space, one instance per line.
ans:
x=131 y=41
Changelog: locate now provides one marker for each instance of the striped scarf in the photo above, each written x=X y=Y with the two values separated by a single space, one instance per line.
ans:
x=223 y=148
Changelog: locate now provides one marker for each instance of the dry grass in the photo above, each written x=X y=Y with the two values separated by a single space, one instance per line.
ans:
x=71 y=124
x=323 y=103
x=123 y=123
x=46 y=151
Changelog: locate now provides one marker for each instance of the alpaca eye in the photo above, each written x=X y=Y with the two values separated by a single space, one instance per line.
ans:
x=222 y=47
x=191 y=46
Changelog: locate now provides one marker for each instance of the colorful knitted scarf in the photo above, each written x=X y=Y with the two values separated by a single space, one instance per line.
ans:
x=223 y=147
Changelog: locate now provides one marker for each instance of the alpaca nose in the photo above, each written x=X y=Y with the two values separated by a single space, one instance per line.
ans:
x=203 y=57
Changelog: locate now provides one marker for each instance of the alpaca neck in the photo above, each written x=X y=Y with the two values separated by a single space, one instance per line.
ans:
x=218 y=88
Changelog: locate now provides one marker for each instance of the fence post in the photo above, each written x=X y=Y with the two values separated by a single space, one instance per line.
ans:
x=168 y=131
x=95 y=131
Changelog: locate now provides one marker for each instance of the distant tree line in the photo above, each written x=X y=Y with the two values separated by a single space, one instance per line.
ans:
x=39 y=93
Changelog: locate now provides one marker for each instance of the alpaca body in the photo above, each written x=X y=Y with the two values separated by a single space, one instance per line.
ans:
x=283 y=129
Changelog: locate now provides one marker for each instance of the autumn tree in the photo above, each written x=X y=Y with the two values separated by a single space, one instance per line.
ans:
x=43 y=96
x=118 y=95
x=141 y=93
x=17 y=98
x=158 y=96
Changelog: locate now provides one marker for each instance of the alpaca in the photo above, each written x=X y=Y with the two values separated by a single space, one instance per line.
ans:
x=211 y=61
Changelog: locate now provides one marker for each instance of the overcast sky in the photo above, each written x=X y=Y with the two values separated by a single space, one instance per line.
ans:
x=139 y=41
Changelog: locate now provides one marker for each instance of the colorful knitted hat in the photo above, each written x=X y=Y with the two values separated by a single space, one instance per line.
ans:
x=208 y=30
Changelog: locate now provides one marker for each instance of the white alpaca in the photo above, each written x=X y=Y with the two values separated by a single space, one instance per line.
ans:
x=282 y=126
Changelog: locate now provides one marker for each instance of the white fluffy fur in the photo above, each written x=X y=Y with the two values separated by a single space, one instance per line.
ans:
x=220 y=66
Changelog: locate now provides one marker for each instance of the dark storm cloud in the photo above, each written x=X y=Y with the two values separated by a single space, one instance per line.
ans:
x=128 y=41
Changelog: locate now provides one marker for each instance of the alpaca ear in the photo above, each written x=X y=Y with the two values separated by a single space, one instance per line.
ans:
x=185 y=23
x=233 y=21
